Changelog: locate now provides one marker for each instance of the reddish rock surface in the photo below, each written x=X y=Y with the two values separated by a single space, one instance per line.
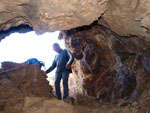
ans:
x=108 y=66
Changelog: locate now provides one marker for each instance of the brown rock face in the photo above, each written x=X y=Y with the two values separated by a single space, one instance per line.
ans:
x=21 y=81
x=108 y=66
x=129 y=17
x=48 y=14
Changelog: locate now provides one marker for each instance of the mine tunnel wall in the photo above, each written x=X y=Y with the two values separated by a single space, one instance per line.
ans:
x=108 y=66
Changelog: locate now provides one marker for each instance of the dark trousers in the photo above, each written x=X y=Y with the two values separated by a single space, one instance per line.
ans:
x=64 y=76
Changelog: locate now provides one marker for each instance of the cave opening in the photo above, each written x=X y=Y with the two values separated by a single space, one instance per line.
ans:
x=92 y=46
x=21 y=43
x=18 y=44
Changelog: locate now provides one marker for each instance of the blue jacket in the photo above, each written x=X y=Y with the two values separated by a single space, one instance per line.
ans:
x=61 y=59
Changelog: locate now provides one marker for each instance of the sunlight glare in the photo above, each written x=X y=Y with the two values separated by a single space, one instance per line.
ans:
x=20 y=47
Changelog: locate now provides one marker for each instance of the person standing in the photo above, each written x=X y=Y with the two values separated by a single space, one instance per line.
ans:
x=62 y=62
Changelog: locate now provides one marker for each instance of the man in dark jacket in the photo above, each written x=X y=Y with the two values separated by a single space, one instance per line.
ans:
x=62 y=62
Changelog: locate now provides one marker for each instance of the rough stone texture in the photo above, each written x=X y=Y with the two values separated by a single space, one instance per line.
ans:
x=41 y=105
x=45 y=15
x=108 y=66
x=129 y=17
x=124 y=17
x=15 y=85
x=96 y=62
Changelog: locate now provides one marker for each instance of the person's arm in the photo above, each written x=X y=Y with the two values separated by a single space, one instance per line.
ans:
x=70 y=61
x=51 y=67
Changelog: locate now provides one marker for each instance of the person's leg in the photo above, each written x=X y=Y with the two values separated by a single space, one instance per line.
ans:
x=58 y=77
x=65 y=76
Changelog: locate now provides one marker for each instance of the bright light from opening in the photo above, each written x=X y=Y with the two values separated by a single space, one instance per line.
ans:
x=20 y=47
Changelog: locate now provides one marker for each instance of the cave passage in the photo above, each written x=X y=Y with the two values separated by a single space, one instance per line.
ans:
x=21 y=43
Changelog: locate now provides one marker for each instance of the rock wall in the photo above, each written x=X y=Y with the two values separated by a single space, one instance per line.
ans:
x=129 y=17
x=108 y=66
x=19 y=82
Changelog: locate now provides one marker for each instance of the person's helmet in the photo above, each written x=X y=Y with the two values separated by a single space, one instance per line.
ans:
x=32 y=60
x=35 y=60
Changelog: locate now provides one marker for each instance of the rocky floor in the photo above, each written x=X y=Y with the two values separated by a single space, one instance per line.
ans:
x=41 y=105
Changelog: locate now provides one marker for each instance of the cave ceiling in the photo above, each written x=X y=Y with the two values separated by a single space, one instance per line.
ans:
x=124 y=17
